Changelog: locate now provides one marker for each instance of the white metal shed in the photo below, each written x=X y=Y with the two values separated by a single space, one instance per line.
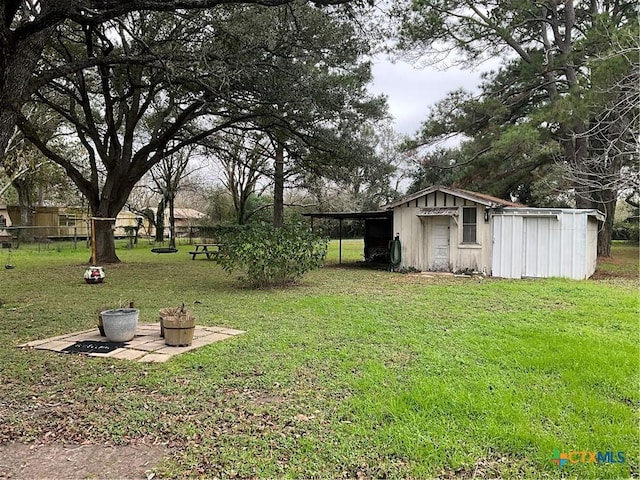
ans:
x=450 y=229
x=544 y=242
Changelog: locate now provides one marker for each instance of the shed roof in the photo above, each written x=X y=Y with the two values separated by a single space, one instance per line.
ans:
x=480 y=198
x=553 y=212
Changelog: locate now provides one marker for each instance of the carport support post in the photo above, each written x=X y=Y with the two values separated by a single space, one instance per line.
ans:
x=340 y=240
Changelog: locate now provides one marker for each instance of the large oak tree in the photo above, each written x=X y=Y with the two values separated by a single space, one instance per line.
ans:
x=127 y=117
x=188 y=77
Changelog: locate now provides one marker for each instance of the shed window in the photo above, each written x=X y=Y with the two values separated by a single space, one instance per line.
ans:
x=469 y=224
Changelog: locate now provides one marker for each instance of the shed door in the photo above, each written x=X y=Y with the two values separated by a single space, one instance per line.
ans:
x=440 y=242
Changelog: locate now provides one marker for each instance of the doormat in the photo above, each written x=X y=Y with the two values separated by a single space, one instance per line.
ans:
x=93 y=346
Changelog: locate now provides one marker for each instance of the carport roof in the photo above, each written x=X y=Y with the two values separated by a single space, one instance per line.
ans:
x=351 y=215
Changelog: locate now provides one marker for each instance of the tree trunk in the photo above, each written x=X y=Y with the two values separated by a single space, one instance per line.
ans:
x=172 y=223
x=160 y=221
x=40 y=202
x=24 y=202
x=607 y=205
x=586 y=195
x=278 y=188
x=107 y=207
x=18 y=60
x=576 y=155
x=105 y=246
x=241 y=212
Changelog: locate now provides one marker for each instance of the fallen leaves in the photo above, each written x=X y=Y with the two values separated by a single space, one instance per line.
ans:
x=304 y=418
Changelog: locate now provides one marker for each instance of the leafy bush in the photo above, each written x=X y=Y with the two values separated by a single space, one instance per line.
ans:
x=626 y=230
x=271 y=256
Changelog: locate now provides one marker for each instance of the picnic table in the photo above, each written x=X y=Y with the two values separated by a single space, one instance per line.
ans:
x=208 y=249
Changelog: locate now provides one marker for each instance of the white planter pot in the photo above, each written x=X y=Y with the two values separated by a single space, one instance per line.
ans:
x=120 y=324
x=94 y=274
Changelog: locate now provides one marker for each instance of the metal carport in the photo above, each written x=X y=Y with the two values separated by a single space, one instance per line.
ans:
x=381 y=215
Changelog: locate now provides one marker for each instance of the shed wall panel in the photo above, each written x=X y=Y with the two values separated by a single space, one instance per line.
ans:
x=416 y=239
x=572 y=235
x=542 y=247
x=472 y=256
x=407 y=225
x=507 y=246
x=592 y=246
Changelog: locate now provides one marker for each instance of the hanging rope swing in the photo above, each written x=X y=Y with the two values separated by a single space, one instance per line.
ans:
x=164 y=250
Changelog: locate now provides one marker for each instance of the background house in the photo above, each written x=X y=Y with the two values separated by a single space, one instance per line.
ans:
x=51 y=222
x=185 y=218
x=5 y=220
x=66 y=222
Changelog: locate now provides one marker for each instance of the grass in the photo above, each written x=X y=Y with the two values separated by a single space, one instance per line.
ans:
x=354 y=372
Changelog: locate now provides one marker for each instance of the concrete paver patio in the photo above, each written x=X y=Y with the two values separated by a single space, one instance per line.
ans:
x=146 y=346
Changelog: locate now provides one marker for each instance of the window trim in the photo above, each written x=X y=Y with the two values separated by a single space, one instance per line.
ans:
x=475 y=224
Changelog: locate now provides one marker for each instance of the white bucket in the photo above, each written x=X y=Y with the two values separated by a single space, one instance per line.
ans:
x=120 y=324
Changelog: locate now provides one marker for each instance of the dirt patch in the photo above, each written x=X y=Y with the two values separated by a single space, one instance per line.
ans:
x=609 y=275
x=32 y=461
x=600 y=275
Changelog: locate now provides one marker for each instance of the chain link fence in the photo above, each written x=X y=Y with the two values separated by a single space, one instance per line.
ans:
x=54 y=237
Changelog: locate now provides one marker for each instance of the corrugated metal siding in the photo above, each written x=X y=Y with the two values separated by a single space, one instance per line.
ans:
x=541 y=245
x=592 y=246
x=507 y=247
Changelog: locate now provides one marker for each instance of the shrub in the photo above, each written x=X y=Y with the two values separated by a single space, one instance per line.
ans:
x=626 y=230
x=633 y=235
x=271 y=256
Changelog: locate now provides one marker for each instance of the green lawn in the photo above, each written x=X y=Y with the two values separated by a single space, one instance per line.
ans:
x=623 y=264
x=354 y=372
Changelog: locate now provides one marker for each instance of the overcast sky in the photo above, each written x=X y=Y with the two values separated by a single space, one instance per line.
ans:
x=412 y=91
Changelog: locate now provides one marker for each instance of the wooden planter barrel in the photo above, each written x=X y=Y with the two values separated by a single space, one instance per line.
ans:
x=178 y=326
